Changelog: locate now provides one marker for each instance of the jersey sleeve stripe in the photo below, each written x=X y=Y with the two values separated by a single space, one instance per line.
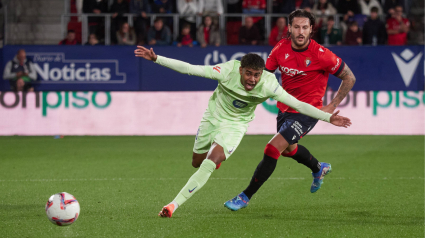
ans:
x=341 y=67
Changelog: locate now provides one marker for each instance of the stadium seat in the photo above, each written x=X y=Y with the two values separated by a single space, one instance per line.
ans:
x=232 y=30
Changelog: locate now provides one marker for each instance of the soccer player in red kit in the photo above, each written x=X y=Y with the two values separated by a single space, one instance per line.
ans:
x=305 y=66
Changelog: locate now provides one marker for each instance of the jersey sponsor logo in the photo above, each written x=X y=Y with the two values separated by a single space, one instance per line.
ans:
x=294 y=137
x=307 y=62
x=406 y=65
x=338 y=62
x=230 y=151
x=239 y=104
x=321 y=50
x=286 y=55
x=291 y=72
x=217 y=68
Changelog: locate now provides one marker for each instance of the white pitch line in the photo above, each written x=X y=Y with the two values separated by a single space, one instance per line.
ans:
x=151 y=179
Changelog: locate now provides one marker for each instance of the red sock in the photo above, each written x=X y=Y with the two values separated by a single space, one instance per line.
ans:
x=290 y=154
x=218 y=166
x=271 y=151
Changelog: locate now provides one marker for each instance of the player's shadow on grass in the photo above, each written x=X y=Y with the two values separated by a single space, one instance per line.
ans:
x=346 y=217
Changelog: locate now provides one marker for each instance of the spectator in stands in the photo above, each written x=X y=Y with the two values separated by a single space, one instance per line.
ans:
x=353 y=35
x=118 y=9
x=162 y=6
x=70 y=39
x=185 y=39
x=159 y=34
x=188 y=7
x=366 y=6
x=93 y=40
x=208 y=33
x=397 y=28
x=249 y=34
x=140 y=8
x=210 y=7
x=374 y=32
x=278 y=32
x=390 y=5
x=256 y=7
x=329 y=34
x=416 y=29
x=126 y=35
x=324 y=9
x=20 y=72
x=348 y=6
x=96 y=7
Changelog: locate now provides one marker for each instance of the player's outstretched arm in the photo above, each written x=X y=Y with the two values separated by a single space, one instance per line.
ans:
x=176 y=65
x=348 y=80
x=311 y=111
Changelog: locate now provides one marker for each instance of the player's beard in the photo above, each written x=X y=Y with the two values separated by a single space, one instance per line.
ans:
x=296 y=42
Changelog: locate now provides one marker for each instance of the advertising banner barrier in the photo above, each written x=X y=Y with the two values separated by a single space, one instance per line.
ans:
x=179 y=113
x=115 y=68
x=80 y=68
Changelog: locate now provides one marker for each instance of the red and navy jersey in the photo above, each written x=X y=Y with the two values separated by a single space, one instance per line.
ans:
x=305 y=72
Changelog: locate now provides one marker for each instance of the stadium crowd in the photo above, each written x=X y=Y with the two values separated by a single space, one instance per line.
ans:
x=339 y=22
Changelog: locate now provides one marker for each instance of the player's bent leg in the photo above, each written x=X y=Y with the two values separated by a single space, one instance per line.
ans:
x=303 y=156
x=197 y=181
x=197 y=159
x=264 y=170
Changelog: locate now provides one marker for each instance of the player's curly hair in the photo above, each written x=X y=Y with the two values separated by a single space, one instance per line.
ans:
x=252 y=61
x=302 y=13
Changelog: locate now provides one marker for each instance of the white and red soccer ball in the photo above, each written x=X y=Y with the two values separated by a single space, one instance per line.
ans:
x=62 y=209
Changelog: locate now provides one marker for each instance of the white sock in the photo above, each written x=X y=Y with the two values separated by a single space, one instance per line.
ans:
x=176 y=205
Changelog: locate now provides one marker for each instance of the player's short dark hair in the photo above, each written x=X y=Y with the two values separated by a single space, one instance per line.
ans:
x=302 y=13
x=71 y=31
x=374 y=9
x=252 y=61
x=157 y=20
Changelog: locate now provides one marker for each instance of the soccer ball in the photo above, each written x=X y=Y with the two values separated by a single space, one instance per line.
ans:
x=62 y=209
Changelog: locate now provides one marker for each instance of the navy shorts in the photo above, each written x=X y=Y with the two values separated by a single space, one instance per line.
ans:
x=294 y=126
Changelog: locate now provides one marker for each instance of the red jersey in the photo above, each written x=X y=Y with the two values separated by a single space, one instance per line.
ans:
x=305 y=72
x=399 y=38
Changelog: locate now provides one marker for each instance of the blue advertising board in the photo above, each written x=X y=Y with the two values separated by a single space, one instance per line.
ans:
x=80 y=68
x=114 y=68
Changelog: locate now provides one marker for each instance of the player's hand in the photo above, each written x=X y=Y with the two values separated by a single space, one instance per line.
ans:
x=145 y=53
x=340 y=120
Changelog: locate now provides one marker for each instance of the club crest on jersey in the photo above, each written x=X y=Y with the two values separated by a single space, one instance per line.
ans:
x=307 y=62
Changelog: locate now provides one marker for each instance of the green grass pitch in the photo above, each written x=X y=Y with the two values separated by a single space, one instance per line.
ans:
x=376 y=188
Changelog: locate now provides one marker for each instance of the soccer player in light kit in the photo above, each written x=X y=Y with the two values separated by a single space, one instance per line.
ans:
x=242 y=85
x=305 y=66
